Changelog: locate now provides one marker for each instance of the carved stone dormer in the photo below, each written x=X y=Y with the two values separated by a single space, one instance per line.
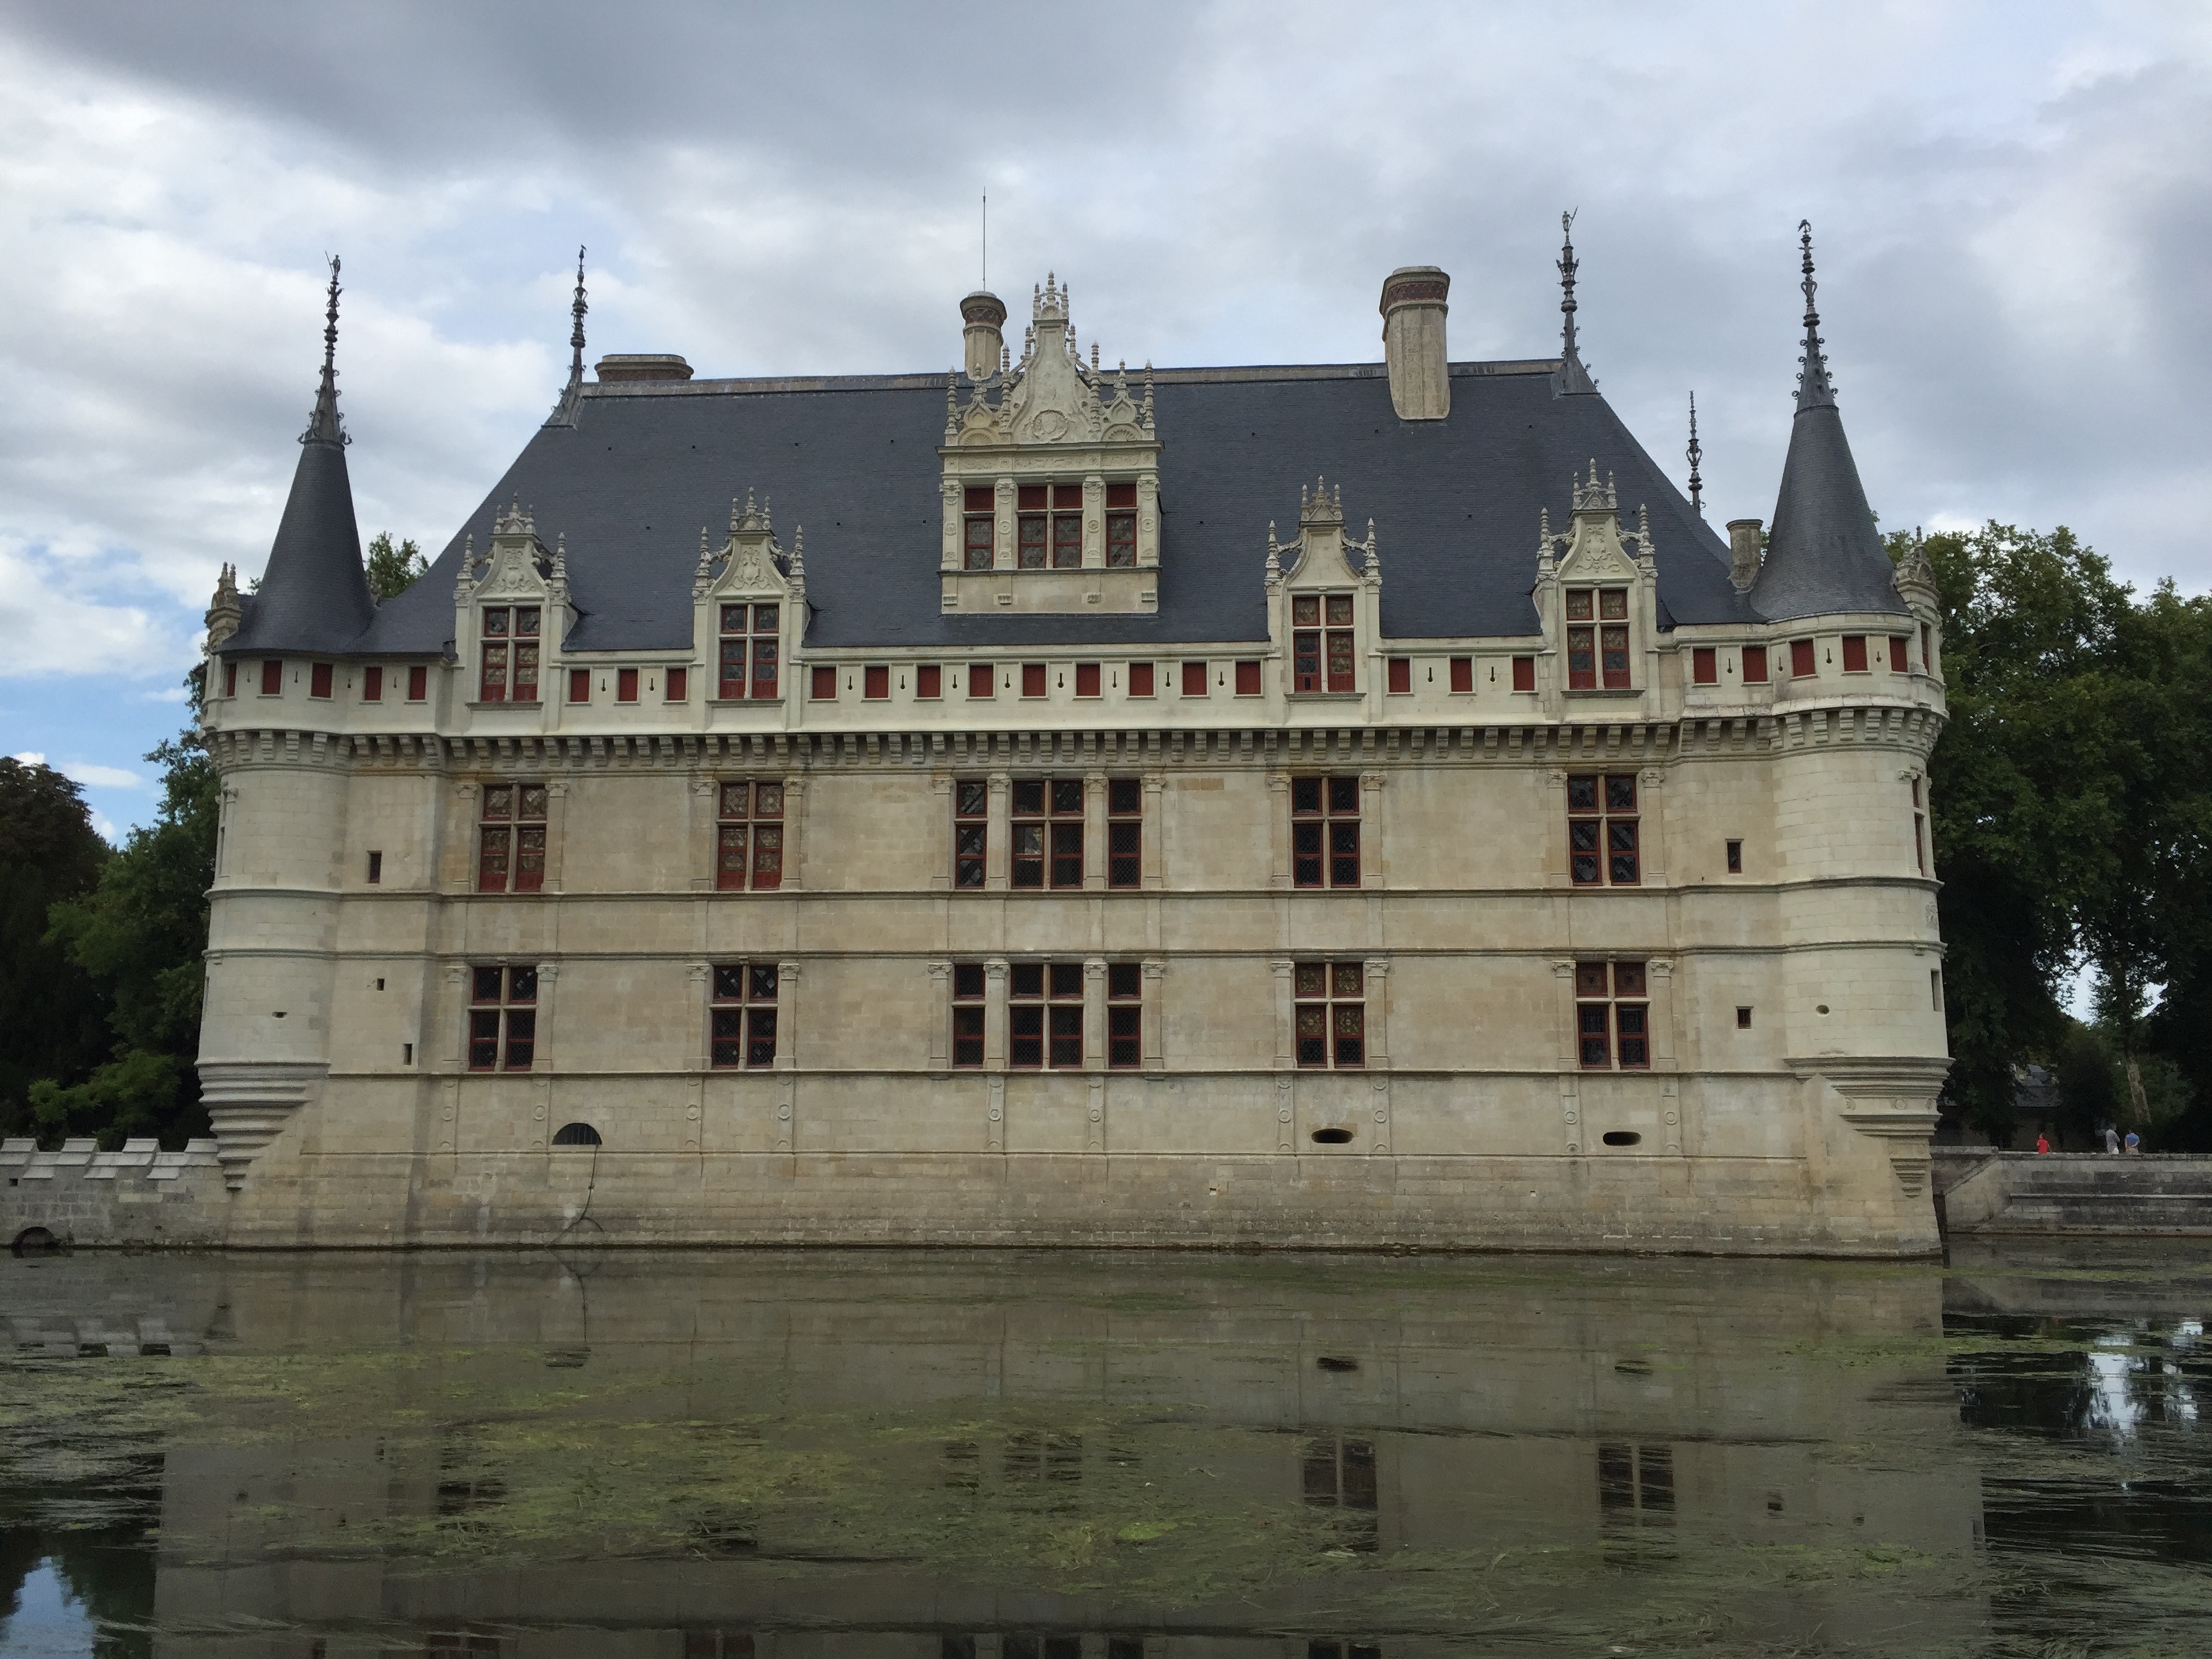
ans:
x=510 y=615
x=749 y=605
x=1596 y=594
x=224 y=611
x=1324 y=602
x=1915 y=586
x=1050 y=478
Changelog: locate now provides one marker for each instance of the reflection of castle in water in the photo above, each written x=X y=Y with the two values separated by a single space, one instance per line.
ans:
x=1633 y=1417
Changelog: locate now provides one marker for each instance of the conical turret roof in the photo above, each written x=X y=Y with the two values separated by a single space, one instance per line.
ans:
x=315 y=593
x=1824 y=553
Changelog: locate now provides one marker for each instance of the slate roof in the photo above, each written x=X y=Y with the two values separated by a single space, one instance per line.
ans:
x=854 y=459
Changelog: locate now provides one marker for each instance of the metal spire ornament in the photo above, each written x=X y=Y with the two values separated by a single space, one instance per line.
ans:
x=324 y=426
x=1573 y=376
x=1814 y=389
x=1695 y=453
x=564 y=410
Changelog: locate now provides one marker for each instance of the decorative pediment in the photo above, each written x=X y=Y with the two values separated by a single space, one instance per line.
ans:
x=1321 y=555
x=518 y=565
x=1595 y=547
x=1051 y=396
x=753 y=563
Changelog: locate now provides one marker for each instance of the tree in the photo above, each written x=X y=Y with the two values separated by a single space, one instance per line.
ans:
x=141 y=931
x=52 y=1013
x=393 y=570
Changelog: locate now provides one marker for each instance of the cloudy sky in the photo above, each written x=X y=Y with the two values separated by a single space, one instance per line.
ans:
x=2011 y=201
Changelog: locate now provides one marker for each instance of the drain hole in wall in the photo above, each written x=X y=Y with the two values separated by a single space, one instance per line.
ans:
x=1333 y=1137
x=1622 y=1137
x=1822 y=1008
x=1332 y=1363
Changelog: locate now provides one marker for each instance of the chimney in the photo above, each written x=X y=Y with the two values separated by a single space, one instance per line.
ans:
x=1743 y=553
x=642 y=365
x=1413 y=341
x=982 y=313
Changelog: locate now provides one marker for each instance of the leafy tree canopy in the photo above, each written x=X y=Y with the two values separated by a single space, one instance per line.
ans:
x=392 y=569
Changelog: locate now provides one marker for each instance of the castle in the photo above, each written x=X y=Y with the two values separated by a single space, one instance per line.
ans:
x=1342 y=804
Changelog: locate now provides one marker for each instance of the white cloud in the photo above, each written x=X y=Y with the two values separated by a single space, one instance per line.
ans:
x=94 y=776
x=29 y=757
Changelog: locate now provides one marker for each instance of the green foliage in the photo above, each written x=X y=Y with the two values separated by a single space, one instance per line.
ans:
x=52 y=1012
x=391 y=570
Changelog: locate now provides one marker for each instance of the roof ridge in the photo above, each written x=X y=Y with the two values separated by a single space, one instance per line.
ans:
x=934 y=380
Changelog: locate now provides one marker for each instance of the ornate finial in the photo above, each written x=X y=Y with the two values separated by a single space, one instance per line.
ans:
x=1573 y=376
x=1274 y=555
x=799 y=558
x=1696 y=454
x=1148 y=395
x=1374 y=553
x=324 y=426
x=1005 y=357
x=953 y=401
x=1544 y=524
x=1814 y=390
x=564 y=408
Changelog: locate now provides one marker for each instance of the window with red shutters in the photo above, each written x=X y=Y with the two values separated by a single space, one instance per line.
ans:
x=981 y=528
x=972 y=833
x=1324 y=831
x=1401 y=672
x=749 y=836
x=742 y=1033
x=1603 y=829
x=372 y=685
x=1125 y=832
x=1900 y=654
x=580 y=685
x=1045 y=821
x=1125 y=1015
x=1248 y=679
x=875 y=682
x=507 y=654
x=1582 y=642
x=1329 y=1008
x=511 y=839
x=1033 y=678
x=1193 y=679
x=1524 y=673
x=1086 y=679
x=1140 y=679
x=272 y=677
x=1120 y=525
x=1800 y=659
x=1755 y=665
x=967 y=988
x=319 y=679
x=824 y=688
x=982 y=680
x=230 y=679
x=1341 y=647
x=1462 y=673
x=1044 y=1016
x=1704 y=665
x=492 y=653
x=625 y=686
x=1612 y=1017
x=1305 y=642
x=749 y=663
x=677 y=682
x=1855 y=654
x=502 y=1018
x=929 y=681
x=418 y=684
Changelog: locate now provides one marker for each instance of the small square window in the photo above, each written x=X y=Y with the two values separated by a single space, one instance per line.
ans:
x=1800 y=659
x=1401 y=676
x=1735 y=858
x=875 y=682
x=372 y=685
x=1900 y=654
x=1755 y=665
x=375 y=869
x=1524 y=673
x=1193 y=679
x=1462 y=673
x=1743 y=1020
x=625 y=686
x=825 y=684
x=1704 y=665
x=418 y=684
x=1086 y=679
x=230 y=679
x=929 y=682
x=1140 y=679
x=1248 y=679
x=319 y=679
x=982 y=680
x=1855 y=654
x=1033 y=677
x=679 y=683
x=580 y=685
x=272 y=677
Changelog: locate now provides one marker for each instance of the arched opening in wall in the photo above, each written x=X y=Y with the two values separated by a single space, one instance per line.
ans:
x=575 y=1134
x=1622 y=1137
x=1333 y=1137
x=34 y=1240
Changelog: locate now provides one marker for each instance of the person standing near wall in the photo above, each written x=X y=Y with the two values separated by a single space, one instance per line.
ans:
x=2111 y=1139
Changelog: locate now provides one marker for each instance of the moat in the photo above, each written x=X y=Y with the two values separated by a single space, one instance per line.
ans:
x=1003 y=1455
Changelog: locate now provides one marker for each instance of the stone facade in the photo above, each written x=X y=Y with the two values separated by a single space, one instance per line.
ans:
x=1321 y=917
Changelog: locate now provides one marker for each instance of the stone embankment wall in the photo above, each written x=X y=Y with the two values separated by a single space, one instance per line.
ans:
x=1985 y=1191
x=140 y=1195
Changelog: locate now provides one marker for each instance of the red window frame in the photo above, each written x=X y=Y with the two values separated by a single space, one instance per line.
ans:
x=1462 y=674
x=1329 y=1016
x=823 y=684
x=1125 y=1015
x=272 y=677
x=1120 y=526
x=929 y=682
x=1140 y=679
x=372 y=684
x=1612 y=1017
x=676 y=685
x=979 y=528
x=1044 y=1017
x=1802 y=666
x=625 y=686
x=1193 y=679
x=1604 y=830
x=1855 y=654
x=1704 y=665
x=969 y=985
x=1045 y=818
x=507 y=650
x=1033 y=679
x=982 y=681
x=741 y=1016
x=1086 y=679
x=1524 y=673
x=1401 y=676
x=1325 y=831
x=418 y=683
x=750 y=652
x=876 y=683
x=1248 y=679
x=1068 y=526
x=972 y=833
x=1901 y=653
x=1755 y=665
x=748 y=836
x=511 y=838
x=1125 y=832
x=230 y=678
x=580 y=685
x=319 y=677
x=502 y=1018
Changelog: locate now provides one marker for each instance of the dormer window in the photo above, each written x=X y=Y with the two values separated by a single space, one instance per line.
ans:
x=749 y=651
x=1051 y=526
x=1122 y=527
x=980 y=528
x=1599 y=651
x=1322 y=656
x=509 y=660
